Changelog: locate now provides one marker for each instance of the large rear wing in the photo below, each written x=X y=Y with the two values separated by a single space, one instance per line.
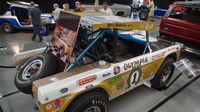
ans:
x=101 y=20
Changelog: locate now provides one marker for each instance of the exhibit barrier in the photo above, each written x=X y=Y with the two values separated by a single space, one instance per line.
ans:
x=189 y=71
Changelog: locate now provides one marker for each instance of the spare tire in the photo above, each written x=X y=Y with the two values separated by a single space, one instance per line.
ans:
x=35 y=68
x=143 y=15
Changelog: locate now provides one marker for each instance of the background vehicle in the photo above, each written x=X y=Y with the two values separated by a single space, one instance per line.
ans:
x=17 y=18
x=159 y=12
x=118 y=10
x=182 y=23
x=143 y=10
x=105 y=64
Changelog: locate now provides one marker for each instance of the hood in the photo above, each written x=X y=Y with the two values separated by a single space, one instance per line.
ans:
x=20 y=4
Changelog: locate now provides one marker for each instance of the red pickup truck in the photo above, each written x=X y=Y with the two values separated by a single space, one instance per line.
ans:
x=182 y=23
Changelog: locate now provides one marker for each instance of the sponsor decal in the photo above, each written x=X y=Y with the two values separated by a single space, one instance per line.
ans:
x=157 y=56
x=147 y=26
x=86 y=80
x=135 y=64
x=116 y=70
x=134 y=77
x=111 y=25
x=48 y=107
x=67 y=97
x=89 y=86
x=46 y=98
x=115 y=79
x=64 y=90
x=106 y=74
x=57 y=103
x=119 y=86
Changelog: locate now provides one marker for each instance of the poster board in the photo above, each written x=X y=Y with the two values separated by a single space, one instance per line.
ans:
x=64 y=36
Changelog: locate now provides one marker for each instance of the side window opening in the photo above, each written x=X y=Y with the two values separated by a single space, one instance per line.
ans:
x=177 y=12
x=190 y=14
x=120 y=13
x=22 y=14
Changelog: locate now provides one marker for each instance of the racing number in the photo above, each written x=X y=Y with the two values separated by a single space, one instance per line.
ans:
x=134 y=77
x=135 y=74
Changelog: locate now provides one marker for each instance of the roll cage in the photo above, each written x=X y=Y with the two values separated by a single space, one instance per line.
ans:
x=94 y=26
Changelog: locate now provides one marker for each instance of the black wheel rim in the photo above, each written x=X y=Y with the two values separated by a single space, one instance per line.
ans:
x=166 y=74
x=6 y=28
x=143 y=15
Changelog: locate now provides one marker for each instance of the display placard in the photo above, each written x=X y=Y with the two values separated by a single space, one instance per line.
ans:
x=188 y=68
x=64 y=36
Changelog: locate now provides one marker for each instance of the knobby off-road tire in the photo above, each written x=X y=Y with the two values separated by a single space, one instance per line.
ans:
x=7 y=27
x=163 y=75
x=89 y=102
x=35 y=68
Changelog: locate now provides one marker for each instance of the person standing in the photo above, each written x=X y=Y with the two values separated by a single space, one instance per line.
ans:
x=66 y=7
x=56 y=11
x=106 y=9
x=35 y=18
x=151 y=12
x=79 y=7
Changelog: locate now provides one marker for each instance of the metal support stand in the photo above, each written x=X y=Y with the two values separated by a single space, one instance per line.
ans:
x=147 y=42
x=115 y=34
x=85 y=51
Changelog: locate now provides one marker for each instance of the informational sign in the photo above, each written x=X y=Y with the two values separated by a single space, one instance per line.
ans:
x=64 y=36
x=188 y=68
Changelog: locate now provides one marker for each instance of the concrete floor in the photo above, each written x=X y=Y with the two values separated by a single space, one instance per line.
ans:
x=140 y=99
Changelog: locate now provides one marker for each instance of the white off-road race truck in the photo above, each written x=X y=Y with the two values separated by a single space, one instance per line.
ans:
x=91 y=59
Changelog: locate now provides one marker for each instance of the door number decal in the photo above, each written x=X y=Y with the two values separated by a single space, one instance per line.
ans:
x=134 y=77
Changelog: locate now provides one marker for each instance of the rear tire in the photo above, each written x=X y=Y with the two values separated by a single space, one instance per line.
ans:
x=7 y=27
x=163 y=75
x=89 y=102
x=35 y=68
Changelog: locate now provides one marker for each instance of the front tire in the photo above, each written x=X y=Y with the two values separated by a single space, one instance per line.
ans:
x=35 y=68
x=164 y=74
x=89 y=102
x=7 y=27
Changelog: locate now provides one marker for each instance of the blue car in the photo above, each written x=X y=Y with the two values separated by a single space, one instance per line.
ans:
x=16 y=17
